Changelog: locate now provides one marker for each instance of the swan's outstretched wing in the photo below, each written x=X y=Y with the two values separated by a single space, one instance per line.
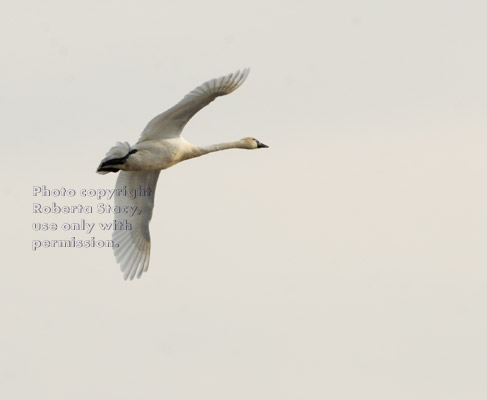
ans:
x=170 y=123
x=133 y=249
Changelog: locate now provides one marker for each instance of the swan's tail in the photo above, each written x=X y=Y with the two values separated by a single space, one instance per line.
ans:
x=117 y=155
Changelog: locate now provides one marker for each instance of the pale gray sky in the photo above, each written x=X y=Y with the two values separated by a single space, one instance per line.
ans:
x=346 y=262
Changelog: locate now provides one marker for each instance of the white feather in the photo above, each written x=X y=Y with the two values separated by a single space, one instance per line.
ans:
x=132 y=247
x=170 y=123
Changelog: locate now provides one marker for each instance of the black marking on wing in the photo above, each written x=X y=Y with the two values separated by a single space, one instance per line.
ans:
x=116 y=161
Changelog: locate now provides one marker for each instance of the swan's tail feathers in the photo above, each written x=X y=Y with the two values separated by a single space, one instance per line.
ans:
x=117 y=155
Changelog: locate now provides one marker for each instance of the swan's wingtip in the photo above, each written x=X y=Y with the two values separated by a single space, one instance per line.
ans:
x=245 y=72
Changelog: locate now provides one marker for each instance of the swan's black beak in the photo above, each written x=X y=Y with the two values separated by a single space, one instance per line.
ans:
x=261 y=145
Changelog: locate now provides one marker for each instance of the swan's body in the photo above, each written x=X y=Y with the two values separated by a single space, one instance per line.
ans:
x=160 y=146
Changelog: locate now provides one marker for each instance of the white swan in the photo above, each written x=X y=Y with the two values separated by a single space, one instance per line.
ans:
x=160 y=146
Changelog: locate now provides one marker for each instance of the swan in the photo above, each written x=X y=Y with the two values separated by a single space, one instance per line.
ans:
x=159 y=147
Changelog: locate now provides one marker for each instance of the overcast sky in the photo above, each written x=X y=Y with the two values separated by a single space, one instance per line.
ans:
x=347 y=261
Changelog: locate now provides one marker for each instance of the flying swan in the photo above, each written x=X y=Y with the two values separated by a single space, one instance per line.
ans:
x=160 y=146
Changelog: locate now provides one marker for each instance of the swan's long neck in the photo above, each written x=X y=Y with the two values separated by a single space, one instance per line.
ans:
x=202 y=150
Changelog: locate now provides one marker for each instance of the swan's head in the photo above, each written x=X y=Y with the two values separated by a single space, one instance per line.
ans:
x=252 y=143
